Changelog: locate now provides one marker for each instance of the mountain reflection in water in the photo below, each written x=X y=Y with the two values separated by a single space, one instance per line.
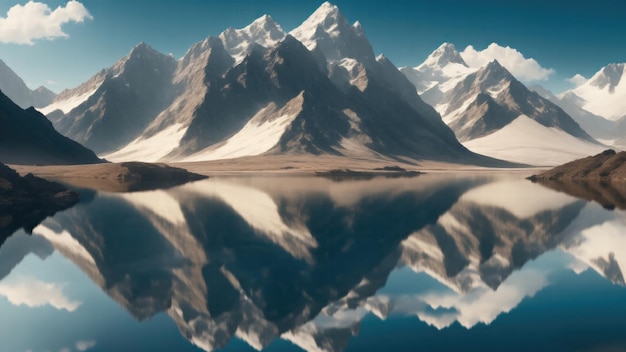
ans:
x=306 y=260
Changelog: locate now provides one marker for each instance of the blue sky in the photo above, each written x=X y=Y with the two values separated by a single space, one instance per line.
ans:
x=569 y=37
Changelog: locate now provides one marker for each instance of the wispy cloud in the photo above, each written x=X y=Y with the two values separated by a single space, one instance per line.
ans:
x=33 y=293
x=525 y=69
x=85 y=345
x=577 y=80
x=36 y=20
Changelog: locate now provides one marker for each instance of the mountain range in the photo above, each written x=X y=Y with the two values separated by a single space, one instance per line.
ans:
x=493 y=113
x=598 y=104
x=321 y=90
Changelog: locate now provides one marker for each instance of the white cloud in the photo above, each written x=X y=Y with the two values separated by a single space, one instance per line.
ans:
x=577 y=80
x=34 y=293
x=85 y=345
x=525 y=69
x=35 y=20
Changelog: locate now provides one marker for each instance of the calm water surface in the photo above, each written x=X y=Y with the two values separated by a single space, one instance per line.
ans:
x=433 y=263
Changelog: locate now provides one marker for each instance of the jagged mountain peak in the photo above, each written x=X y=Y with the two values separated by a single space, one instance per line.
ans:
x=494 y=65
x=266 y=22
x=445 y=54
x=358 y=28
x=14 y=87
x=610 y=75
x=492 y=73
x=140 y=52
x=327 y=18
x=328 y=32
x=326 y=10
x=263 y=31
x=199 y=48
x=143 y=49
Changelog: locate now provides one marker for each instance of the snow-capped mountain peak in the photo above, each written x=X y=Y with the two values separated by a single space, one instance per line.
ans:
x=610 y=75
x=605 y=93
x=492 y=74
x=328 y=31
x=358 y=28
x=326 y=19
x=439 y=73
x=263 y=31
x=327 y=15
x=445 y=55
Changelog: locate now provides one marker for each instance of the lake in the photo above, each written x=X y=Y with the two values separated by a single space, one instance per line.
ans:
x=430 y=263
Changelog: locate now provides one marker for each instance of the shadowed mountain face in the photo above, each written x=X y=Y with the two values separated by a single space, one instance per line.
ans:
x=27 y=137
x=119 y=102
x=264 y=259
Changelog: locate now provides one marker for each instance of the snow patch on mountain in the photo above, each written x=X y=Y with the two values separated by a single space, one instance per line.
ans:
x=256 y=137
x=526 y=141
x=68 y=104
x=260 y=134
x=150 y=149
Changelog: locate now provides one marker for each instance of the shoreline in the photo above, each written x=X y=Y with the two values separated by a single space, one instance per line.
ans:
x=274 y=166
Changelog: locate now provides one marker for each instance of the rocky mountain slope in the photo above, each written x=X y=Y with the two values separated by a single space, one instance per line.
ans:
x=27 y=137
x=116 y=104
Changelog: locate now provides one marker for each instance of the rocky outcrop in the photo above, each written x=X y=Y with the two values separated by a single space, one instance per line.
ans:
x=608 y=165
x=26 y=201
x=598 y=178
x=27 y=137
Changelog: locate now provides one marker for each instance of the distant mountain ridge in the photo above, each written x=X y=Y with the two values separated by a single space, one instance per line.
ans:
x=493 y=113
x=14 y=87
x=599 y=104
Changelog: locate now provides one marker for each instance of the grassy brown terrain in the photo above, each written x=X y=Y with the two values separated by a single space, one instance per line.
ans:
x=608 y=165
x=122 y=177
x=106 y=176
